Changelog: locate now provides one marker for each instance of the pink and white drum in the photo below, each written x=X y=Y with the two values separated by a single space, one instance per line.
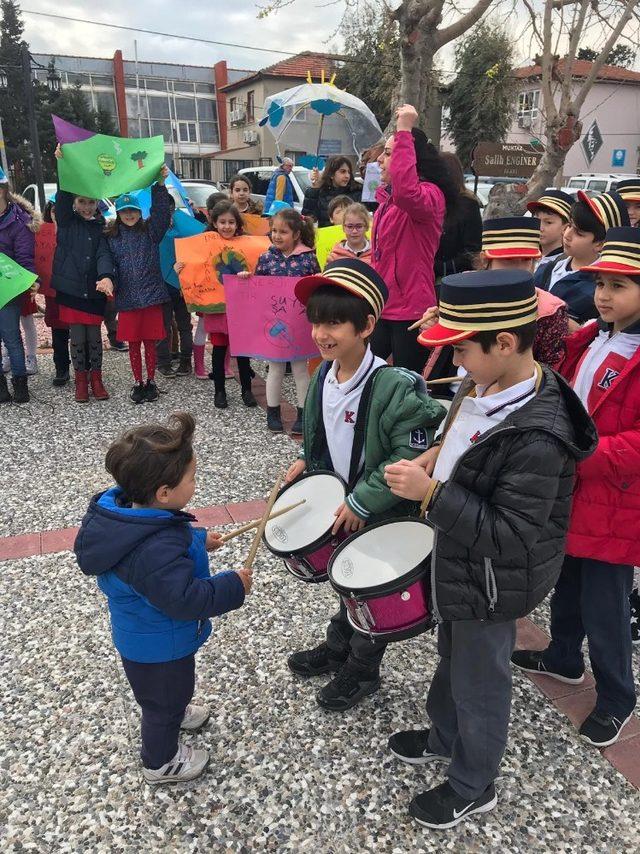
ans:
x=302 y=537
x=382 y=576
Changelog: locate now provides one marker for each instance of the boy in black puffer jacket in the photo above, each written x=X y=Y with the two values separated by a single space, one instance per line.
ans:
x=497 y=489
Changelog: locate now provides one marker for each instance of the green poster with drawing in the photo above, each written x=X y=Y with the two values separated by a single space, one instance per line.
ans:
x=106 y=166
x=14 y=279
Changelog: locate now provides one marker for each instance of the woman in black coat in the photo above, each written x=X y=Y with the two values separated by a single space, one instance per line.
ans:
x=336 y=180
x=462 y=233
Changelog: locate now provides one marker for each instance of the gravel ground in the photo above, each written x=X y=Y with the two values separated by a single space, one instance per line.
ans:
x=284 y=775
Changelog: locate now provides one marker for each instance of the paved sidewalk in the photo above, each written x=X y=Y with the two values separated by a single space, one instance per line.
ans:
x=285 y=776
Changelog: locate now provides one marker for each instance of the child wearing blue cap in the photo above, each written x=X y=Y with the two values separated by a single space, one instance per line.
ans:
x=140 y=289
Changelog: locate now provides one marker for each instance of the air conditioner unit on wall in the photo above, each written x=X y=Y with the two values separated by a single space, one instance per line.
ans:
x=250 y=137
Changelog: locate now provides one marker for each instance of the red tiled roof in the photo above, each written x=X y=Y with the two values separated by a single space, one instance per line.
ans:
x=581 y=68
x=294 y=66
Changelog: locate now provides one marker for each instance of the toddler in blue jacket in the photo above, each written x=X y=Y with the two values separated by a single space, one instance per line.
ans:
x=152 y=565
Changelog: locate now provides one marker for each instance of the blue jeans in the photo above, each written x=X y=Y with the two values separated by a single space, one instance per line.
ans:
x=591 y=598
x=11 y=338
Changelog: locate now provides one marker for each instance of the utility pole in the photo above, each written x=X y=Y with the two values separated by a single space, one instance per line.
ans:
x=33 y=125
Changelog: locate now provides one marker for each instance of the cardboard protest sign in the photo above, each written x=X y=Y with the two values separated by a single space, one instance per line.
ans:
x=255 y=224
x=265 y=319
x=208 y=257
x=326 y=239
x=14 y=279
x=106 y=166
x=183 y=226
x=371 y=182
x=44 y=252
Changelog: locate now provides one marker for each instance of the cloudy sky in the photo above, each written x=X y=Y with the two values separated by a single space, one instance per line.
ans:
x=306 y=25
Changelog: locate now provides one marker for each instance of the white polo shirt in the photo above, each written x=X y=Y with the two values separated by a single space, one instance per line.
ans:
x=476 y=416
x=340 y=403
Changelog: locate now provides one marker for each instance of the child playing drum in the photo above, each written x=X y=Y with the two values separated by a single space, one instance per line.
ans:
x=359 y=415
x=497 y=489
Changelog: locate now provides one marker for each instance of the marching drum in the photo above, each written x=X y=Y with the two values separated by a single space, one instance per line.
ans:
x=302 y=537
x=382 y=576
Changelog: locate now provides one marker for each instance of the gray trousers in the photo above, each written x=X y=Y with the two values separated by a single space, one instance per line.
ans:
x=469 y=701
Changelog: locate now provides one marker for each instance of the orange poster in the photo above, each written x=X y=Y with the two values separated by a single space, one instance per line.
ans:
x=256 y=225
x=207 y=258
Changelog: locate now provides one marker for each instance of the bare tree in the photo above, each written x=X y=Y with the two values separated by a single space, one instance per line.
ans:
x=563 y=94
x=422 y=35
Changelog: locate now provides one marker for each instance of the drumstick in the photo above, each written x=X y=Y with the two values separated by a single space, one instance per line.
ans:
x=444 y=381
x=255 y=545
x=251 y=525
x=414 y=325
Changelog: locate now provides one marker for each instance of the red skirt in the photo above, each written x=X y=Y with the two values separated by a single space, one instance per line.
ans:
x=74 y=315
x=141 y=324
x=52 y=314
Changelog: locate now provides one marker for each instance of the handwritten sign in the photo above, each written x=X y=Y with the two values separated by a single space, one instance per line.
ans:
x=183 y=225
x=371 y=182
x=44 y=252
x=256 y=225
x=207 y=258
x=14 y=279
x=326 y=239
x=265 y=319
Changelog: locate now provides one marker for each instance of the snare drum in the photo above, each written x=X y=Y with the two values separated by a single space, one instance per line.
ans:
x=302 y=537
x=382 y=576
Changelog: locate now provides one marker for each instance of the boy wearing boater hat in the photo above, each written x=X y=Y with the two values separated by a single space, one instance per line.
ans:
x=629 y=191
x=553 y=209
x=591 y=597
x=359 y=415
x=497 y=489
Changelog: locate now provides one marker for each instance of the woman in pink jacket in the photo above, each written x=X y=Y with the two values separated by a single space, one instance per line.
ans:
x=415 y=193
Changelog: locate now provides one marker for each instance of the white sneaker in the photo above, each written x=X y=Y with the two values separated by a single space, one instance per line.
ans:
x=187 y=764
x=194 y=717
x=31 y=363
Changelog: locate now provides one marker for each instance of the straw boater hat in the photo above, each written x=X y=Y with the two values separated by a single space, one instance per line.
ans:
x=620 y=253
x=511 y=237
x=553 y=200
x=609 y=208
x=629 y=189
x=351 y=275
x=484 y=301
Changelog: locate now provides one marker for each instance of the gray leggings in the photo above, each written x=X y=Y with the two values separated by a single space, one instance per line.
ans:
x=85 y=346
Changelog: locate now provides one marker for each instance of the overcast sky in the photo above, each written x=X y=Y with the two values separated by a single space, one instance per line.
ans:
x=303 y=26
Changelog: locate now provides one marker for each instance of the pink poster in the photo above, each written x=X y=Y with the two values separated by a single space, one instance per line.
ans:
x=265 y=319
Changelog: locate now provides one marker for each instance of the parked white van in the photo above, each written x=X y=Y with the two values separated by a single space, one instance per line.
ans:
x=597 y=182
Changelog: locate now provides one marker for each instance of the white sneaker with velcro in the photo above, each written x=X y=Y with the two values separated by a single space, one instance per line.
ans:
x=187 y=764
x=194 y=717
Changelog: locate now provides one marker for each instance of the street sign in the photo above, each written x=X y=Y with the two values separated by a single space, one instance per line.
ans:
x=618 y=157
x=592 y=142
x=505 y=160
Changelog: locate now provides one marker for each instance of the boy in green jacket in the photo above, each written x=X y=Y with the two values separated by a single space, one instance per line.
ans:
x=344 y=304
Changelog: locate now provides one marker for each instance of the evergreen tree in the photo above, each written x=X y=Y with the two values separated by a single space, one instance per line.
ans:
x=12 y=112
x=480 y=99
x=372 y=69
x=621 y=55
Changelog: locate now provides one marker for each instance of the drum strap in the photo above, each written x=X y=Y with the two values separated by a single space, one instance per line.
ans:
x=320 y=448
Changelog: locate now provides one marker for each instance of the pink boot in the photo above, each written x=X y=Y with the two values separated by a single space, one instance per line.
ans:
x=198 y=362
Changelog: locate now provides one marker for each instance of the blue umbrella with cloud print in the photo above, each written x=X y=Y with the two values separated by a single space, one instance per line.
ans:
x=319 y=120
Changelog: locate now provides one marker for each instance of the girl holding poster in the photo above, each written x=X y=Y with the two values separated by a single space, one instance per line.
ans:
x=292 y=254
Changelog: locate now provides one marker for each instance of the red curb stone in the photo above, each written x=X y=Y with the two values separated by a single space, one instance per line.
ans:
x=245 y=511
x=577 y=706
x=555 y=690
x=22 y=545
x=216 y=515
x=530 y=636
x=625 y=758
x=61 y=540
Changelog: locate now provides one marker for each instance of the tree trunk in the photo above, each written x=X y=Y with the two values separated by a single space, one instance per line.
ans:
x=561 y=132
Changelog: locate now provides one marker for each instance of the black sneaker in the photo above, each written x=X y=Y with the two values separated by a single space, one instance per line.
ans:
x=61 y=378
x=138 y=393
x=248 y=399
x=118 y=346
x=151 y=392
x=634 y=602
x=530 y=660
x=184 y=368
x=314 y=662
x=347 y=688
x=220 y=400
x=601 y=729
x=442 y=807
x=412 y=747
x=167 y=371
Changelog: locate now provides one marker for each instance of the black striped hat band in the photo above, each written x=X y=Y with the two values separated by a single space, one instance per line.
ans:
x=560 y=207
x=356 y=281
x=516 y=237
x=498 y=315
x=623 y=253
x=609 y=213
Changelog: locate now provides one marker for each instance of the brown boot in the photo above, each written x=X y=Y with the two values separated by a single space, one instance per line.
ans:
x=82 y=386
x=97 y=389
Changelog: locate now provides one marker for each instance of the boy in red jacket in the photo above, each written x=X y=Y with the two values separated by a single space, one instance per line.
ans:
x=591 y=598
